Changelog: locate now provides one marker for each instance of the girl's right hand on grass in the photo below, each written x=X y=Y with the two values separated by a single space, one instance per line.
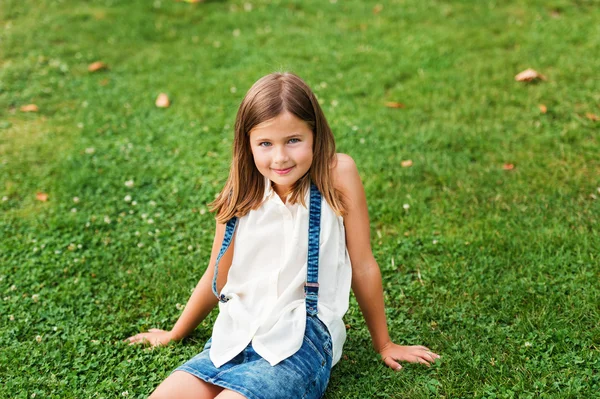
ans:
x=154 y=337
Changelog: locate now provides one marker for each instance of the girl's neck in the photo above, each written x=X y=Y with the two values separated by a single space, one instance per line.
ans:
x=282 y=192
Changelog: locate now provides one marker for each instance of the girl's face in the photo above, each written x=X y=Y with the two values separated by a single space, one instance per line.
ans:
x=283 y=150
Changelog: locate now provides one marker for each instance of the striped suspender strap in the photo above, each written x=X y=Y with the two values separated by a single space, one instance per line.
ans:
x=311 y=287
x=229 y=229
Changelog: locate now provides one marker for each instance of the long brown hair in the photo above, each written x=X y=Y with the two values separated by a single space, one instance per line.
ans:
x=267 y=98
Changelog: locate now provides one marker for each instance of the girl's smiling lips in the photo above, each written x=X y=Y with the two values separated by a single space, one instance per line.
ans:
x=282 y=171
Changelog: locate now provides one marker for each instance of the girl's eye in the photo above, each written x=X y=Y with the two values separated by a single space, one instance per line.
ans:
x=267 y=144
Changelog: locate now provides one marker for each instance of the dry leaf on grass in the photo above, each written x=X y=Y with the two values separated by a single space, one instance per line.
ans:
x=97 y=66
x=529 y=75
x=162 y=101
x=394 y=104
x=41 y=197
x=508 y=166
x=29 y=108
x=592 y=117
x=377 y=9
x=543 y=108
x=406 y=164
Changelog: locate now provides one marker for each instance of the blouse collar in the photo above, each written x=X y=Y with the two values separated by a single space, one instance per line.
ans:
x=268 y=189
x=270 y=192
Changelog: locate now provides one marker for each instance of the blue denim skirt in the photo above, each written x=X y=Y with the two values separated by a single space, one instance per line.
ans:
x=304 y=375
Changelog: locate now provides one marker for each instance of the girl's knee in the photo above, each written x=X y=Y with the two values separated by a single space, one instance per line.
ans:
x=184 y=385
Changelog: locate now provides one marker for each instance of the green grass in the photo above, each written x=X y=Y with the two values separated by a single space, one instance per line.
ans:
x=495 y=270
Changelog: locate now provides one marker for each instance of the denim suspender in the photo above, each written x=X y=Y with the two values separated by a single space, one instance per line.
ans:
x=229 y=229
x=311 y=287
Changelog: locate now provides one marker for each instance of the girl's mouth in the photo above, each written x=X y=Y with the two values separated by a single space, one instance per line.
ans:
x=282 y=171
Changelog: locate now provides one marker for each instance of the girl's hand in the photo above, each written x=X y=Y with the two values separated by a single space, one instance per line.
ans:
x=391 y=353
x=154 y=337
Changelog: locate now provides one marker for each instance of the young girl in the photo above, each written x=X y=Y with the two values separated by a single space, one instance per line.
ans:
x=292 y=236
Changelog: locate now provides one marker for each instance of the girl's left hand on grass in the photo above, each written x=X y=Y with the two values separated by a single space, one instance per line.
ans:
x=392 y=353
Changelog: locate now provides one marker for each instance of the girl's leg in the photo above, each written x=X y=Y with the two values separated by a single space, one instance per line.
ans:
x=227 y=394
x=183 y=385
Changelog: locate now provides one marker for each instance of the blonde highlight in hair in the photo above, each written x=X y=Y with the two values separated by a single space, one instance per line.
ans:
x=270 y=96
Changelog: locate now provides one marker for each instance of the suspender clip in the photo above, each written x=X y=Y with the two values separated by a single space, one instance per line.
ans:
x=224 y=298
x=311 y=288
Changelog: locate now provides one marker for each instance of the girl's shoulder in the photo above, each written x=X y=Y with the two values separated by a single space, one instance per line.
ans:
x=343 y=160
x=342 y=165
x=344 y=171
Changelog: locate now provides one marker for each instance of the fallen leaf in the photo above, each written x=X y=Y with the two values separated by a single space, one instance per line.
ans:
x=529 y=75
x=406 y=164
x=97 y=66
x=162 y=101
x=508 y=166
x=41 y=197
x=29 y=108
x=377 y=9
x=394 y=104
x=592 y=117
x=543 y=108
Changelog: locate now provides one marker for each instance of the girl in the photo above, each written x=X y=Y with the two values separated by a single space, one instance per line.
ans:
x=292 y=236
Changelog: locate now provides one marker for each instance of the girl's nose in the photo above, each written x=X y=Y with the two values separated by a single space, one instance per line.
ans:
x=281 y=156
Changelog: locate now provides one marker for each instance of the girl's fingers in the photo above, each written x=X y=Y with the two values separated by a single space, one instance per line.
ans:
x=391 y=363
x=138 y=339
x=141 y=338
x=429 y=356
x=422 y=361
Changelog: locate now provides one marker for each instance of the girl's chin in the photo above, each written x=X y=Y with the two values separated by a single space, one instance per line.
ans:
x=283 y=181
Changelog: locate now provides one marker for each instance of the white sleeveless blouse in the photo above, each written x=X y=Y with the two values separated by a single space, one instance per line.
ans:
x=265 y=283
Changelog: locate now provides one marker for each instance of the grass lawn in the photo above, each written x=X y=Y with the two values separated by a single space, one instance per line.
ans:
x=488 y=244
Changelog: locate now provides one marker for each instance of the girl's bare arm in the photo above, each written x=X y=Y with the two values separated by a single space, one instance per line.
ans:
x=201 y=302
x=366 y=277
